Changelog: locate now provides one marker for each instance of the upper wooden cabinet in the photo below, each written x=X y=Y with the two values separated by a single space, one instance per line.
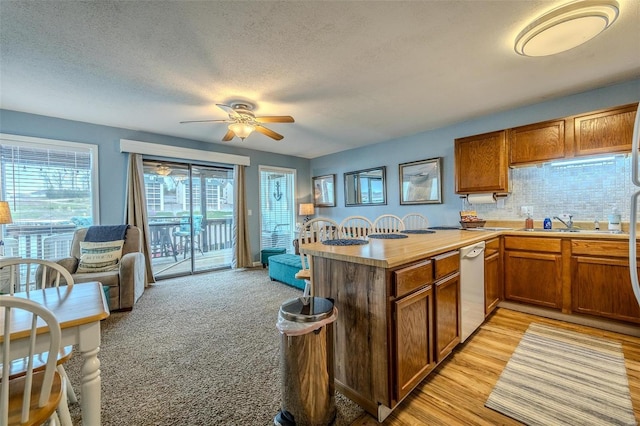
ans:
x=481 y=163
x=605 y=131
x=537 y=142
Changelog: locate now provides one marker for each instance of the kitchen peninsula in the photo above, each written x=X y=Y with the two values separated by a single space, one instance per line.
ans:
x=399 y=311
x=399 y=299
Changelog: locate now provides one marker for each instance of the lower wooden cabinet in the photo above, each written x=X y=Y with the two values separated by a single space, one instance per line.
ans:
x=413 y=339
x=447 y=315
x=492 y=275
x=600 y=281
x=533 y=271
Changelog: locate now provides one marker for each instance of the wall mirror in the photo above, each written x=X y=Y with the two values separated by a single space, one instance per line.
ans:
x=365 y=187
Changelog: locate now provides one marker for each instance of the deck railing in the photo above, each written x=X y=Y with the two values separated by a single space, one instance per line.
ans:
x=44 y=241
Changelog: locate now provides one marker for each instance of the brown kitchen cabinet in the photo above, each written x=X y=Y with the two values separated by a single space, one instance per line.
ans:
x=492 y=275
x=481 y=163
x=605 y=131
x=533 y=270
x=536 y=143
x=413 y=339
x=447 y=303
x=600 y=282
x=413 y=325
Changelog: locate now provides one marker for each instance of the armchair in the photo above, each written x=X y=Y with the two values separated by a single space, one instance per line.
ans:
x=127 y=282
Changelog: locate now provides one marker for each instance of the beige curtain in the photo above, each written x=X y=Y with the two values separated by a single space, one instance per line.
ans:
x=241 y=240
x=135 y=210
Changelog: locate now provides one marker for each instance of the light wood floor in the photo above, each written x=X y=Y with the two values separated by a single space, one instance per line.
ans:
x=454 y=393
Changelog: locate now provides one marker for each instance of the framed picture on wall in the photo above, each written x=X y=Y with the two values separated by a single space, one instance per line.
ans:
x=324 y=191
x=421 y=182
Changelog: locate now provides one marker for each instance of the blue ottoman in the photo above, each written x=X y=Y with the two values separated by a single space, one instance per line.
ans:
x=284 y=267
x=265 y=254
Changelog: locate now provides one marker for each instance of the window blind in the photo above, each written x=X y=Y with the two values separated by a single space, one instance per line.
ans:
x=277 y=207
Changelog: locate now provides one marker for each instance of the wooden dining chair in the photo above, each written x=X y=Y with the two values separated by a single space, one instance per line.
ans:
x=355 y=227
x=27 y=275
x=33 y=397
x=315 y=230
x=388 y=224
x=415 y=221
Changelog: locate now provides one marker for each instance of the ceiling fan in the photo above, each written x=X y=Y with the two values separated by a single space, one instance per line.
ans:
x=244 y=122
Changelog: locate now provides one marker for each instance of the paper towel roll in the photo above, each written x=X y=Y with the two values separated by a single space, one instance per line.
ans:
x=481 y=199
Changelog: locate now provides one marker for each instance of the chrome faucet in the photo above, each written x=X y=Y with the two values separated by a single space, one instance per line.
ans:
x=568 y=224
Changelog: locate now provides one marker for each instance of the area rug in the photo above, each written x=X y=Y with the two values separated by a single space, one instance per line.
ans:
x=560 y=377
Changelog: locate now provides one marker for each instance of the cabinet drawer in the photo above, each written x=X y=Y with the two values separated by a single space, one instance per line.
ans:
x=413 y=277
x=491 y=247
x=601 y=248
x=446 y=264
x=549 y=245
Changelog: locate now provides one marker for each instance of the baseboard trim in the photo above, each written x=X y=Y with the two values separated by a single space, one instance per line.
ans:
x=601 y=323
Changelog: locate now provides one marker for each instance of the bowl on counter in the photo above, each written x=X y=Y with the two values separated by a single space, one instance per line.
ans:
x=474 y=224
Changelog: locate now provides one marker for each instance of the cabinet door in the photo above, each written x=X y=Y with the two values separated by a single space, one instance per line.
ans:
x=492 y=282
x=534 y=278
x=481 y=163
x=447 y=314
x=413 y=339
x=536 y=143
x=605 y=131
x=602 y=287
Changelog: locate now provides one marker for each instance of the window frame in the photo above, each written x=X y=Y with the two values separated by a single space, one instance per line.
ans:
x=42 y=143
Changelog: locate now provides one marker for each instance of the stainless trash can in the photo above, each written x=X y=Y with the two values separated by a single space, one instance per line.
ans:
x=306 y=362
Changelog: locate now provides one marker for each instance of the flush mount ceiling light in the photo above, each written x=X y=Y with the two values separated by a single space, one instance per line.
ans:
x=566 y=27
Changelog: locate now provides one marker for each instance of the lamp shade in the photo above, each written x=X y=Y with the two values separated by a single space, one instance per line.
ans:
x=242 y=130
x=5 y=213
x=306 y=209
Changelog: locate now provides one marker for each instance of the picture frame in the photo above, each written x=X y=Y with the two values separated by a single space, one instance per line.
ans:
x=421 y=181
x=324 y=190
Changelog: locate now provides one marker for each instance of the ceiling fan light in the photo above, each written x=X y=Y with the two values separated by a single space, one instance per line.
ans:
x=566 y=27
x=163 y=170
x=242 y=130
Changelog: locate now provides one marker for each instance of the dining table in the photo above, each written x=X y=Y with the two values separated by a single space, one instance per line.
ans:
x=79 y=310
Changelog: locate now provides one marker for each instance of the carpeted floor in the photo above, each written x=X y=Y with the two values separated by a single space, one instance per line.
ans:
x=560 y=377
x=199 y=350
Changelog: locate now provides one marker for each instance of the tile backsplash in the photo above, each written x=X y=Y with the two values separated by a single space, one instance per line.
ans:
x=588 y=191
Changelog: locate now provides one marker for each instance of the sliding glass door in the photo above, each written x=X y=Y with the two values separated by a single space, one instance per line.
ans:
x=190 y=211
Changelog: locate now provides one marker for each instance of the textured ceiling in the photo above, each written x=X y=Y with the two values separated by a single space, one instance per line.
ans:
x=351 y=73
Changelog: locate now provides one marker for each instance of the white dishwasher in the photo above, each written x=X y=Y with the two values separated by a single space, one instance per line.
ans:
x=471 y=288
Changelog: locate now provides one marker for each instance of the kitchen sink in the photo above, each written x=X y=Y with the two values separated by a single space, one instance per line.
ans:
x=577 y=230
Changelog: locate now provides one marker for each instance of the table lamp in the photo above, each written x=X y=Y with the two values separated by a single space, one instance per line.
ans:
x=5 y=217
x=306 y=209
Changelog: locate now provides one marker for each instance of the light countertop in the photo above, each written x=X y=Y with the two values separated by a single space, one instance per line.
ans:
x=390 y=253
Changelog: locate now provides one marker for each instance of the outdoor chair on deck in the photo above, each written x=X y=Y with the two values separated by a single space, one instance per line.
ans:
x=184 y=233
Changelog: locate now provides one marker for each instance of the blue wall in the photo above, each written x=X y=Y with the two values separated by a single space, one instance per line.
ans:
x=436 y=143
x=113 y=164
x=440 y=143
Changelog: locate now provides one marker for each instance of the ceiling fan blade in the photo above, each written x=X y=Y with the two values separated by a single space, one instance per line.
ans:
x=228 y=136
x=270 y=133
x=232 y=112
x=204 y=121
x=275 y=119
